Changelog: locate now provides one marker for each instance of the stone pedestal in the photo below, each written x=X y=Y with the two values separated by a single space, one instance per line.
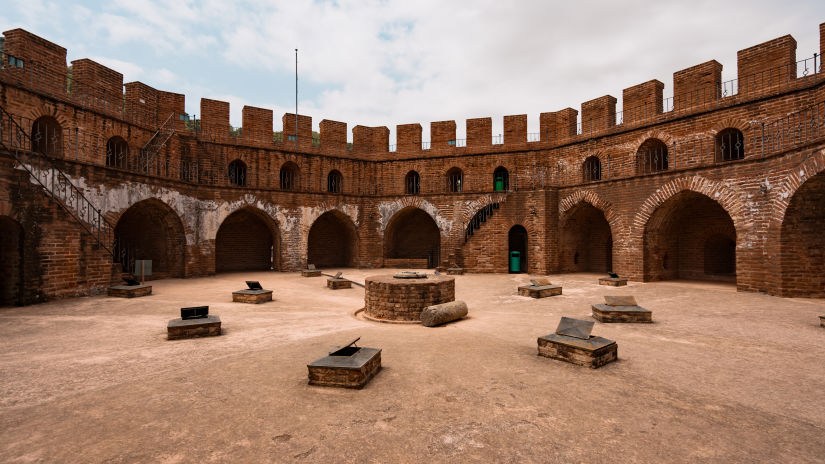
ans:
x=402 y=300
x=310 y=273
x=336 y=284
x=252 y=296
x=130 y=291
x=539 y=291
x=605 y=313
x=208 y=326
x=455 y=271
x=593 y=352
x=613 y=281
x=353 y=371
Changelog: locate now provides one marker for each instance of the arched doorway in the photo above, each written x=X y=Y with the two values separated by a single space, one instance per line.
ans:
x=152 y=230
x=247 y=240
x=517 y=241
x=802 y=241
x=412 y=240
x=11 y=261
x=332 y=241
x=690 y=236
x=586 y=241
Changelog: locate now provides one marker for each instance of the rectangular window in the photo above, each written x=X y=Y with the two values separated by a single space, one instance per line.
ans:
x=291 y=138
x=15 y=62
x=451 y=142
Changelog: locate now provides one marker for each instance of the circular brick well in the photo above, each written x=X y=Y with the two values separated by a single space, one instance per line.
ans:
x=401 y=300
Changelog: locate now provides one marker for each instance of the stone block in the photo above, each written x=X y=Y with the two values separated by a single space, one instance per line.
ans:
x=208 y=326
x=613 y=281
x=252 y=296
x=353 y=371
x=336 y=284
x=539 y=291
x=634 y=314
x=593 y=352
x=455 y=271
x=310 y=273
x=822 y=321
x=129 y=291
x=443 y=313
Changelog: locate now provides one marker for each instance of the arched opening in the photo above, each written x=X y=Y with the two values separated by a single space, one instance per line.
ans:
x=501 y=179
x=247 y=240
x=237 y=173
x=335 y=182
x=517 y=241
x=47 y=136
x=690 y=236
x=455 y=180
x=802 y=241
x=117 y=152
x=592 y=169
x=332 y=241
x=730 y=145
x=412 y=240
x=289 y=176
x=652 y=156
x=412 y=183
x=586 y=241
x=152 y=230
x=11 y=261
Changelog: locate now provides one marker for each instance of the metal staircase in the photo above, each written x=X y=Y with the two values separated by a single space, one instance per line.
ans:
x=15 y=141
x=147 y=154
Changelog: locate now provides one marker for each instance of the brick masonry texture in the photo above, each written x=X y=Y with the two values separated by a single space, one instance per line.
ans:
x=753 y=221
x=403 y=299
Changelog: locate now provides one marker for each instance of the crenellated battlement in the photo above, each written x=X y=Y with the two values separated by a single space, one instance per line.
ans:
x=762 y=69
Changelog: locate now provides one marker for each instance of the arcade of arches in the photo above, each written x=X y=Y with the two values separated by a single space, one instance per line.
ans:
x=690 y=236
x=332 y=241
x=586 y=241
x=246 y=242
x=412 y=235
x=803 y=241
x=153 y=231
x=11 y=262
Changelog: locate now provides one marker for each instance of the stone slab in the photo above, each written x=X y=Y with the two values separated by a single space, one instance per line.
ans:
x=593 y=352
x=613 y=282
x=252 y=296
x=129 y=291
x=345 y=371
x=612 y=300
x=336 y=284
x=208 y=326
x=822 y=321
x=310 y=273
x=455 y=271
x=631 y=314
x=540 y=291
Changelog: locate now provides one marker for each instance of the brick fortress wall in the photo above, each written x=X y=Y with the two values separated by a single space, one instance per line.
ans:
x=698 y=217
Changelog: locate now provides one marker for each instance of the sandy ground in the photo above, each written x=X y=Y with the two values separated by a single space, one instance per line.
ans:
x=720 y=376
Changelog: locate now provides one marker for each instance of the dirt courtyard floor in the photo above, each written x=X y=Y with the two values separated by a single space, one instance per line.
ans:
x=720 y=376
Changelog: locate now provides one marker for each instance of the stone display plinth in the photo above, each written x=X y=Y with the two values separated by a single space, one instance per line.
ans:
x=353 y=371
x=593 y=352
x=455 y=271
x=310 y=273
x=252 y=296
x=539 y=291
x=208 y=326
x=402 y=300
x=336 y=284
x=130 y=291
x=613 y=281
x=636 y=314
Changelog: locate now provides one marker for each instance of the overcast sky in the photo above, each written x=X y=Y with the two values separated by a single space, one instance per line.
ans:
x=399 y=61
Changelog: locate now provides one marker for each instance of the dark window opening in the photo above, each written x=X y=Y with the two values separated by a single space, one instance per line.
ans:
x=592 y=169
x=412 y=183
x=652 y=156
x=501 y=179
x=237 y=173
x=730 y=145
x=335 y=182
x=455 y=180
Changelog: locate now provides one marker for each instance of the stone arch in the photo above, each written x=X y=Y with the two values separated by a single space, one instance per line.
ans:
x=247 y=240
x=150 y=229
x=11 y=261
x=586 y=239
x=782 y=194
x=678 y=235
x=594 y=199
x=387 y=211
x=412 y=239
x=332 y=241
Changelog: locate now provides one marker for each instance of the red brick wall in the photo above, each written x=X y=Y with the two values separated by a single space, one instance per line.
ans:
x=598 y=114
x=642 y=101
x=803 y=241
x=245 y=243
x=11 y=254
x=697 y=85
